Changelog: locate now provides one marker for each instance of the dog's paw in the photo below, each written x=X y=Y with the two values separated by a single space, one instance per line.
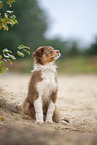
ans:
x=49 y=121
x=39 y=122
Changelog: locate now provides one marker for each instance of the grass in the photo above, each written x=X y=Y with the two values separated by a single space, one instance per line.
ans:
x=81 y=64
x=75 y=65
x=24 y=65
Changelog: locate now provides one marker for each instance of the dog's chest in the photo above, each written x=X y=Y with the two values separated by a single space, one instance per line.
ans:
x=48 y=84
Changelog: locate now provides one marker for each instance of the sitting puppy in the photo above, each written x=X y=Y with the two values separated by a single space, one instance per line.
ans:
x=40 y=103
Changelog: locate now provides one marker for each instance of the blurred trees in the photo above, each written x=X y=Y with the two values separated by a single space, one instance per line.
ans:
x=9 y=19
x=92 y=50
x=73 y=49
x=57 y=43
x=30 y=30
x=31 y=26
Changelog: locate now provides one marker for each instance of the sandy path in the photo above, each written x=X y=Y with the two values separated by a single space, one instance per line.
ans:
x=77 y=101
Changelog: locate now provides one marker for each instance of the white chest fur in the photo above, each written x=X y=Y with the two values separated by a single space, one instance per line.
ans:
x=48 y=84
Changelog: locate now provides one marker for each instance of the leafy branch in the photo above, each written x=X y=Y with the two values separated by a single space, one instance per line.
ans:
x=9 y=18
x=7 y=55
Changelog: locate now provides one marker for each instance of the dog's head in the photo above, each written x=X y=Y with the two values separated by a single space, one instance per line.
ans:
x=46 y=54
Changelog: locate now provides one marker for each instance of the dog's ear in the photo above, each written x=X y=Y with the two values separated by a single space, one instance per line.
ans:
x=38 y=53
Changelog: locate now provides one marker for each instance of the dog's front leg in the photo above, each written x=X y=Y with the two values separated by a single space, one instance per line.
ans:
x=50 y=112
x=38 y=110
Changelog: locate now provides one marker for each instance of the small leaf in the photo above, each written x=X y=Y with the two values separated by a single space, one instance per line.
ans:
x=2 y=118
x=5 y=14
x=10 y=12
x=5 y=68
x=6 y=56
x=5 y=60
x=12 y=16
x=6 y=50
x=11 y=22
x=0 y=26
x=20 y=47
x=1 y=20
x=11 y=56
x=10 y=2
x=1 y=63
x=1 y=4
x=26 y=51
x=10 y=61
x=2 y=72
x=0 y=56
x=26 y=47
x=4 y=25
x=15 y=21
x=20 y=54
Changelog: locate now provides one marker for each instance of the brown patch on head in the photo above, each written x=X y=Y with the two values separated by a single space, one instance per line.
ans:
x=46 y=54
x=38 y=53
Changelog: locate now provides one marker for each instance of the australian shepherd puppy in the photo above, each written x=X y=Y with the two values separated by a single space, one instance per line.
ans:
x=40 y=103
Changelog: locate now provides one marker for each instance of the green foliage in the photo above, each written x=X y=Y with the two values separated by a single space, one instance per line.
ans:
x=73 y=49
x=1 y=4
x=32 y=24
x=2 y=68
x=93 y=48
x=29 y=30
x=8 y=17
x=57 y=43
x=9 y=2
x=7 y=55
x=77 y=65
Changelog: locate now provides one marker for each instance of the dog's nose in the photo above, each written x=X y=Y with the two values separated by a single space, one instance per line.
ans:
x=57 y=51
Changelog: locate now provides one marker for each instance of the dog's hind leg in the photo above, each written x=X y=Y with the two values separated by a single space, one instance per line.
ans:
x=29 y=111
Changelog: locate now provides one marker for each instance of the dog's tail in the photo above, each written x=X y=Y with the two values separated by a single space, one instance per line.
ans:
x=56 y=116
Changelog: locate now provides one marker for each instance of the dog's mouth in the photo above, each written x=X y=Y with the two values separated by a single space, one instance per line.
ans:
x=56 y=55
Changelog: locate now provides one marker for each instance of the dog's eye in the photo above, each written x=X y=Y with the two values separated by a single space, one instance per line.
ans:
x=51 y=52
x=47 y=52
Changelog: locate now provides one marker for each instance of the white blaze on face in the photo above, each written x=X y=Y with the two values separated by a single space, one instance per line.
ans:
x=57 y=54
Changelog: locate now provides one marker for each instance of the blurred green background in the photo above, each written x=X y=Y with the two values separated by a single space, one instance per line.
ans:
x=33 y=22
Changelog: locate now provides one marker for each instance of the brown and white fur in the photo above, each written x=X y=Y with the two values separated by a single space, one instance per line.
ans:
x=40 y=103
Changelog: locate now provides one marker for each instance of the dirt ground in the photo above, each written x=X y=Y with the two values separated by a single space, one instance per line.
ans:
x=77 y=101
